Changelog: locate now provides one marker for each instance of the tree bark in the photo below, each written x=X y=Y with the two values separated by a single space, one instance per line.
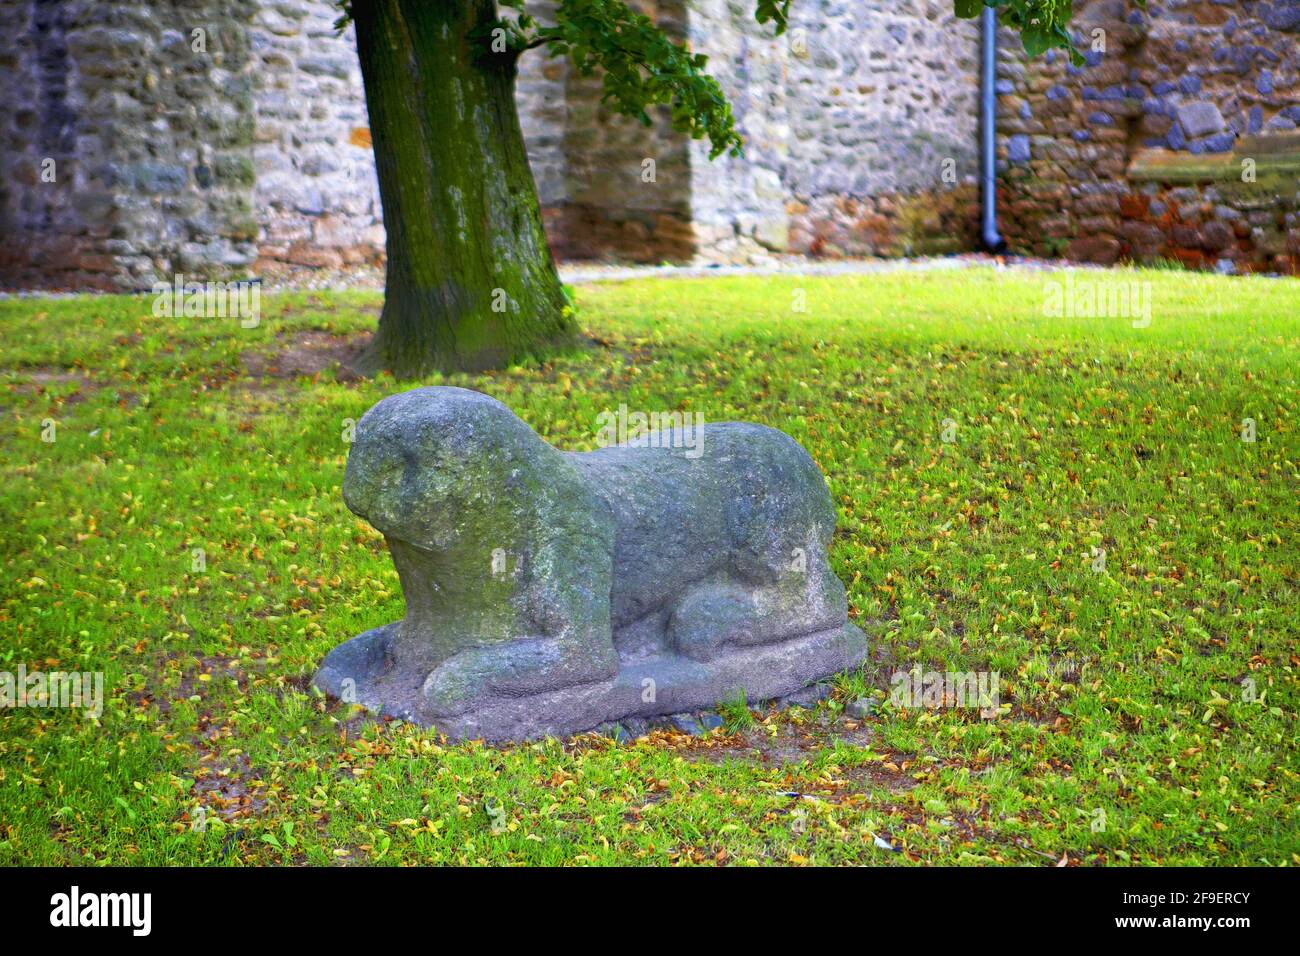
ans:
x=471 y=283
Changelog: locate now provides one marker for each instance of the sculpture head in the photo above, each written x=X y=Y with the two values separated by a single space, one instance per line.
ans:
x=437 y=466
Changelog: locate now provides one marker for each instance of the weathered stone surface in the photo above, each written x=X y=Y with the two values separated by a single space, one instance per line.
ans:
x=687 y=724
x=1103 y=249
x=126 y=108
x=711 y=720
x=619 y=733
x=1018 y=149
x=1200 y=118
x=551 y=592
x=1282 y=14
x=1204 y=99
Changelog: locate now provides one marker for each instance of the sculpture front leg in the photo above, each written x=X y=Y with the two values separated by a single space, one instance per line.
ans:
x=520 y=668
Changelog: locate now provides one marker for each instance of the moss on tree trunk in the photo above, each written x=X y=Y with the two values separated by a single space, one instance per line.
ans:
x=471 y=283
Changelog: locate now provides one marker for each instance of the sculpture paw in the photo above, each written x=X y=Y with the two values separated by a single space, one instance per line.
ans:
x=514 y=669
x=451 y=687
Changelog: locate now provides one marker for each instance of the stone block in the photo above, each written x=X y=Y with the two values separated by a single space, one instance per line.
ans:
x=1200 y=118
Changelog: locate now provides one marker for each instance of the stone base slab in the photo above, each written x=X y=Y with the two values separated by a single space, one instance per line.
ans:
x=679 y=684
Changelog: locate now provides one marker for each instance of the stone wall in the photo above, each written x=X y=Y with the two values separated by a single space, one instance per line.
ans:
x=541 y=98
x=316 y=177
x=613 y=203
x=317 y=193
x=135 y=149
x=256 y=152
x=1142 y=154
x=128 y=140
x=738 y=203
x=884 y=101
x=848 y=122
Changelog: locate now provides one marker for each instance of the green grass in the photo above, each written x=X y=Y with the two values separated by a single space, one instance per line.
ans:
x=1121 y=688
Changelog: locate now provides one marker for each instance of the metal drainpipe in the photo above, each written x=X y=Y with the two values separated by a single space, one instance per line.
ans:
x=993 y=242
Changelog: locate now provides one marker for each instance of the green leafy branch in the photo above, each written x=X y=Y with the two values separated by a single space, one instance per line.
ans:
x=1042 y=24
x=641 y=66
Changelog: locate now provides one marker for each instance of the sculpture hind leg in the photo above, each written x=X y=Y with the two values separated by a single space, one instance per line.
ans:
x=735 y=613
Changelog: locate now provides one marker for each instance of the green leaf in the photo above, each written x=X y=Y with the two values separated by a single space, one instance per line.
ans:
x=121 y=802
x=1037 y=40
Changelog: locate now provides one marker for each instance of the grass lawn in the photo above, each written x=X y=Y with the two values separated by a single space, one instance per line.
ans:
x=1149 y=706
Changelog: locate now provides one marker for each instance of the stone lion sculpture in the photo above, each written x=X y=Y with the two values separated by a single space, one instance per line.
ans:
x=549 y=592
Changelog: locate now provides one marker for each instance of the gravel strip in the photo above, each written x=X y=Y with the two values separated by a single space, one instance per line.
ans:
x=583 y=273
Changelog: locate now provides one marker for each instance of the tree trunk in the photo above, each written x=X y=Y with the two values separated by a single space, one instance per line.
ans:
x=471 y=283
